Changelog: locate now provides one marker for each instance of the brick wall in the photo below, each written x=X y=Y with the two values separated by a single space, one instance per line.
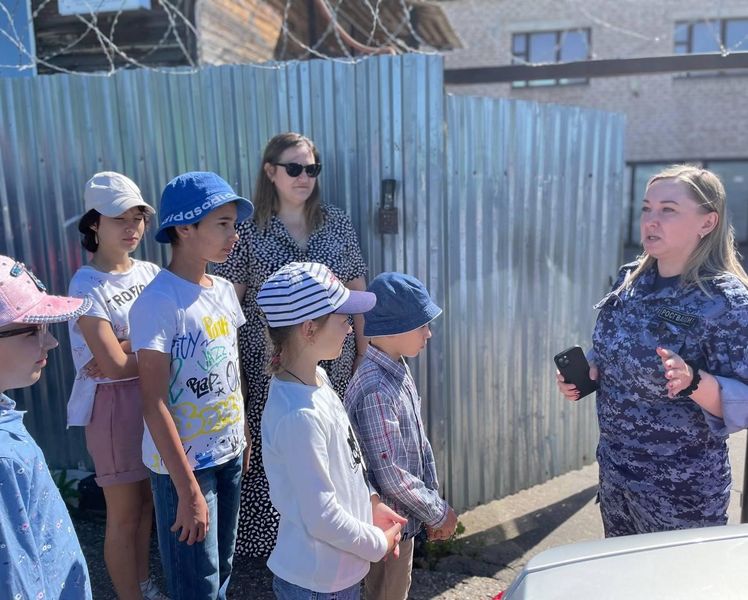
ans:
x=669 y=117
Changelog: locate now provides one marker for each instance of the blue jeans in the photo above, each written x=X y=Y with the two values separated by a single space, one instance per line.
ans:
x=288 y=591
x=200 y=571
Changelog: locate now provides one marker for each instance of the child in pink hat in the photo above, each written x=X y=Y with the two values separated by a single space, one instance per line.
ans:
x=40 y=553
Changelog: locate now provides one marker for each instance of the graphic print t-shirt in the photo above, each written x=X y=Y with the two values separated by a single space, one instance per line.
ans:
x=113 y=295
x=196 y=326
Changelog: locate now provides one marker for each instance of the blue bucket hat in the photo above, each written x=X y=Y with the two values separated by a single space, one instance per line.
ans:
x=403 y=304
x=189 y=197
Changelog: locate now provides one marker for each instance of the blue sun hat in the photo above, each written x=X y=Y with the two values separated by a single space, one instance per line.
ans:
x=189 y=197
x=403 y=304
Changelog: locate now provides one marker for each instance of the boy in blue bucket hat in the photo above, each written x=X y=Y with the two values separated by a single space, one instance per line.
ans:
x=384 y=408
x=183 y=328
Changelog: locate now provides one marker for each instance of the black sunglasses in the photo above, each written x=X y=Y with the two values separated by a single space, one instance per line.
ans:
x=295 y=169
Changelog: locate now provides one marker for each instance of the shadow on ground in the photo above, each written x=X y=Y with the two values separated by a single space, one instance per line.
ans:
x=500 y=552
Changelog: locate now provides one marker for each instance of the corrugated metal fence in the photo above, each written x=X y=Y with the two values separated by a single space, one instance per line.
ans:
x=509 y=211
x=533 y=223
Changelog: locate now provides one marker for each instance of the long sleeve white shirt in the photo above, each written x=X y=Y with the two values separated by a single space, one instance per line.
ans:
x=326 y=540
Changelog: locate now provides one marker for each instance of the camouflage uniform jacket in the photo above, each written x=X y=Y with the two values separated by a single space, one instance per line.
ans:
x=648 y=440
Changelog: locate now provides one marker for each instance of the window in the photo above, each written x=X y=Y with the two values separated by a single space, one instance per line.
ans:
x=544 y=47
x=734 y=176
x=715 y=35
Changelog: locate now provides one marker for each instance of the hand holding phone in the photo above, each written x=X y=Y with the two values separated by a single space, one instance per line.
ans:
x=574 y=368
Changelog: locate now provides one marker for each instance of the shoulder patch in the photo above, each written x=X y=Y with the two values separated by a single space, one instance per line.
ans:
x=731 y=288
x=677 y=317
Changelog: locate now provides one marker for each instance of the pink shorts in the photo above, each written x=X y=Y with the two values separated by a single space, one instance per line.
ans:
x=115 y=434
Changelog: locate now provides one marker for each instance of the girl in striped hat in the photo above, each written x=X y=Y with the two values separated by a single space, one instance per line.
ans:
x=332 y=526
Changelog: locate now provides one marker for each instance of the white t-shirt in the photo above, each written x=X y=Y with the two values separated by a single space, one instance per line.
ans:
x=315 y=468
x=113 y=295
x=196 y=326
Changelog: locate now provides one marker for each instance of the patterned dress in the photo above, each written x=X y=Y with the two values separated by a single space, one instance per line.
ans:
x=256 y=256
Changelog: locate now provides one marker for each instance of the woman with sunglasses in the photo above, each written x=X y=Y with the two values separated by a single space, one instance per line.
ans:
x=290 y=224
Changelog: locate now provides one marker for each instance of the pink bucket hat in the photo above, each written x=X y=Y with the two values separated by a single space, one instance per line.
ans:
x=24 y=299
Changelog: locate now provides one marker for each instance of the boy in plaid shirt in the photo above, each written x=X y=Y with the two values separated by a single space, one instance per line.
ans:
x=385 y=410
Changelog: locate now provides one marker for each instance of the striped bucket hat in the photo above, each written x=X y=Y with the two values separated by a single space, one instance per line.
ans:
x=299 y=292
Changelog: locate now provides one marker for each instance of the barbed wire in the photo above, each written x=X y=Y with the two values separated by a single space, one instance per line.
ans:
x=287 y=35
x=335 y=28
x=342 y=38
x=375 y=15
x=109 y=48
x=649 y=41
x=170 y=11
x=111 y=52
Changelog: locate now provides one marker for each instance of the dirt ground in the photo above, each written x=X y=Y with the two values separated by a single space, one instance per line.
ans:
x=498 y=540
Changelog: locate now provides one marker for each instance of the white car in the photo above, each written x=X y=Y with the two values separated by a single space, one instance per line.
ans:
x=711 y=562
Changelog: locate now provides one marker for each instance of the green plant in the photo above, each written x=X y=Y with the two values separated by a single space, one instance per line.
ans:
x=68 y=488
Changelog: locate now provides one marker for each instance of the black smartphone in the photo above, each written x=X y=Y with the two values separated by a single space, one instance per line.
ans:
x=573 y=365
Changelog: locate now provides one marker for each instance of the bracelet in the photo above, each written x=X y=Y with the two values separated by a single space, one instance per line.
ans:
x=694 y=382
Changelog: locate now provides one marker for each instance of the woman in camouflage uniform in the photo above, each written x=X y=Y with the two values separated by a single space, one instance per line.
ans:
x=670 y=350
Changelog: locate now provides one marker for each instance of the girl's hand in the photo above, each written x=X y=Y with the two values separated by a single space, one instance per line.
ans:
x=92 y=370
x=386 y=519
x=383 y=516
x=677 y=372
x=393 y=536
x=569 y=389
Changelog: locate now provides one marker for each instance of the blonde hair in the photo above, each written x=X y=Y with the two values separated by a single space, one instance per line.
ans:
x=266 y=199
x=715 y=253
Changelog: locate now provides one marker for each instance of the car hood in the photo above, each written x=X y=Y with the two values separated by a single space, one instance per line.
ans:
x=696 y=563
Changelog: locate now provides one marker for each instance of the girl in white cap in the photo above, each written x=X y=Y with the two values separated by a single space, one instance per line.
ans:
x=331 y=525
x=40 y=554
x=106 y=395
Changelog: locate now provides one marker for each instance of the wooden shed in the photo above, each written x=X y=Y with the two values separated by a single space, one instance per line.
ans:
x=173 y=33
